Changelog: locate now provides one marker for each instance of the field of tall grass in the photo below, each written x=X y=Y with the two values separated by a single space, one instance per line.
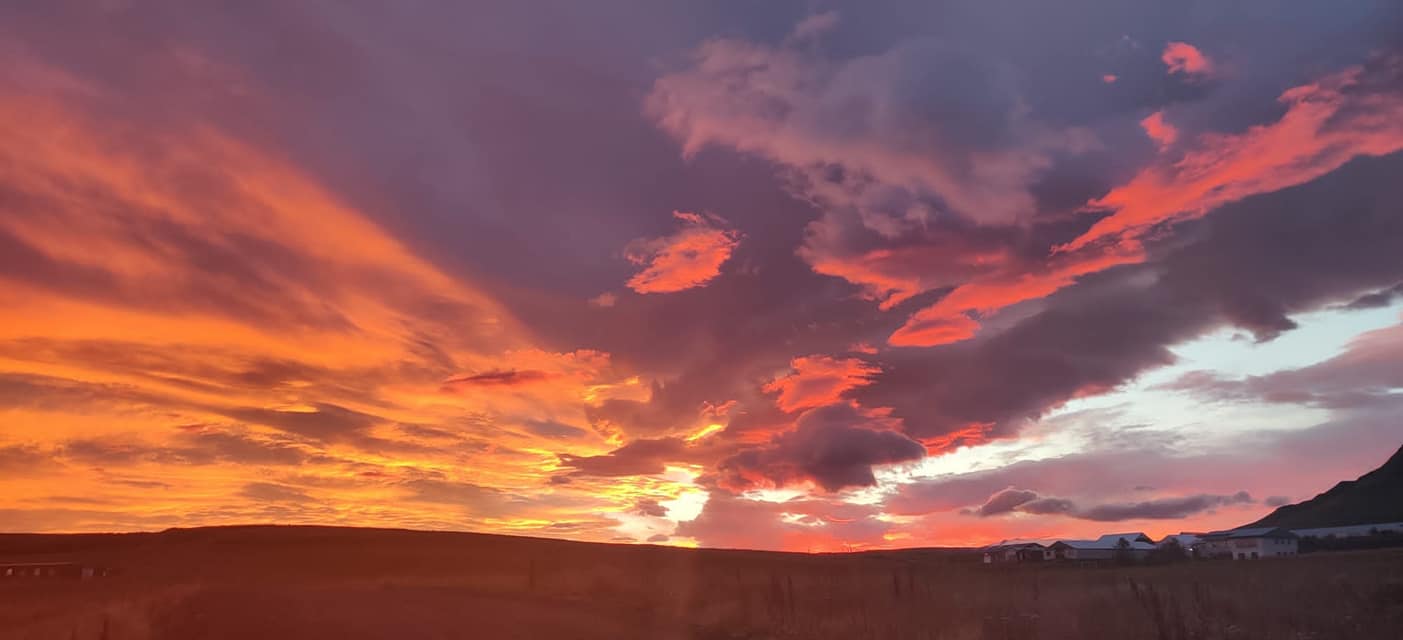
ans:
x=327 y=583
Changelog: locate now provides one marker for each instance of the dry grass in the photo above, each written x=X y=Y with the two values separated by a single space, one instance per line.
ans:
x=358 y=584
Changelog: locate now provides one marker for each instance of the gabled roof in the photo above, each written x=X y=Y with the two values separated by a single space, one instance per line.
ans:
x=1103 y=544
x=1078 y=544
x=1184 y=539
x=1014 y=544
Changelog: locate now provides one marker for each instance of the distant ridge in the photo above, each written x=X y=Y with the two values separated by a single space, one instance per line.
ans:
x=1375 y=497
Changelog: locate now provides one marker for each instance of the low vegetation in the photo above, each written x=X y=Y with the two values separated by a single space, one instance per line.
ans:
x=328 y=583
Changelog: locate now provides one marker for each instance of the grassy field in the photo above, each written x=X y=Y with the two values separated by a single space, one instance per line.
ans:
x=354 y=583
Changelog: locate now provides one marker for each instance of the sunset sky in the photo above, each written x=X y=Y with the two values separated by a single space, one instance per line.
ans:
x=801 y=275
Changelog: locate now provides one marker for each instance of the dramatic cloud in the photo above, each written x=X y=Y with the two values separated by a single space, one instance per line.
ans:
x=869 y=129
x=1328 y=122
x=689 y=258
x=457 y=302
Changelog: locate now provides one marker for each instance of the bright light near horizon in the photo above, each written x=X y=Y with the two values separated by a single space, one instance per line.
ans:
x=686 y=506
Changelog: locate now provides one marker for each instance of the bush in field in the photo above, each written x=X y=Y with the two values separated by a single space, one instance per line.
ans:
x=1167 y=553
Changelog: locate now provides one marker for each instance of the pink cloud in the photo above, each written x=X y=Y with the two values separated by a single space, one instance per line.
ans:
x=1182 y=57
x=1159 y=130
x=689 y=258
x=819 y=380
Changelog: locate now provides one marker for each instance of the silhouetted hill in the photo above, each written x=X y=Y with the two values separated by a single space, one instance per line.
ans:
x=1376 y=496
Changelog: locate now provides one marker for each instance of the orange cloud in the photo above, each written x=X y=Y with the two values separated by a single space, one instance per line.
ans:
x=819 y=380
x=1182 y=57
x=692 y=257
x=952 y=318
x=189 y=312
x=1326 y=124
x=970 y=435
x=1158 y=130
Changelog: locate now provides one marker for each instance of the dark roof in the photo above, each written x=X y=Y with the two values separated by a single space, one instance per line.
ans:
x=1014 y=545
x=1254 y=532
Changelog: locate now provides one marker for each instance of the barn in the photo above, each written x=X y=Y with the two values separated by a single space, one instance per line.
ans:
x=1136 y=544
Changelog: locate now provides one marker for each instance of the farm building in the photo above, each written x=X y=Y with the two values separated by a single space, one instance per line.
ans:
x=1006 y=551
x=1352 y=531
x=1189 y=542
x=1249 y=544
x=1104 y=548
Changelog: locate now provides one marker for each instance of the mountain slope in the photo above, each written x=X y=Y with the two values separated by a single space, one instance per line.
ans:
x=1376 y=496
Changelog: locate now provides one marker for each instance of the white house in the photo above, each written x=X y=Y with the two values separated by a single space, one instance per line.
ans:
x=1250 y=544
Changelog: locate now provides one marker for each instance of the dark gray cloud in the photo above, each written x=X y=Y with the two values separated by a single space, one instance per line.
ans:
x=1012 y=500
x=1161 y=508
x=835 y=447
x=1005 y=501
x=640 y=457
x=1377 y=299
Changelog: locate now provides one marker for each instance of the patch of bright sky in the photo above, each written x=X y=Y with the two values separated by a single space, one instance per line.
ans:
x=1318 y=336
x=1233 y=354
x=1141 y=405
x=686 y=506
x=773 y=495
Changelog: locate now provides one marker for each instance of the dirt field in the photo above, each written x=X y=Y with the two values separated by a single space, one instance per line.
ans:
x=270 y=582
